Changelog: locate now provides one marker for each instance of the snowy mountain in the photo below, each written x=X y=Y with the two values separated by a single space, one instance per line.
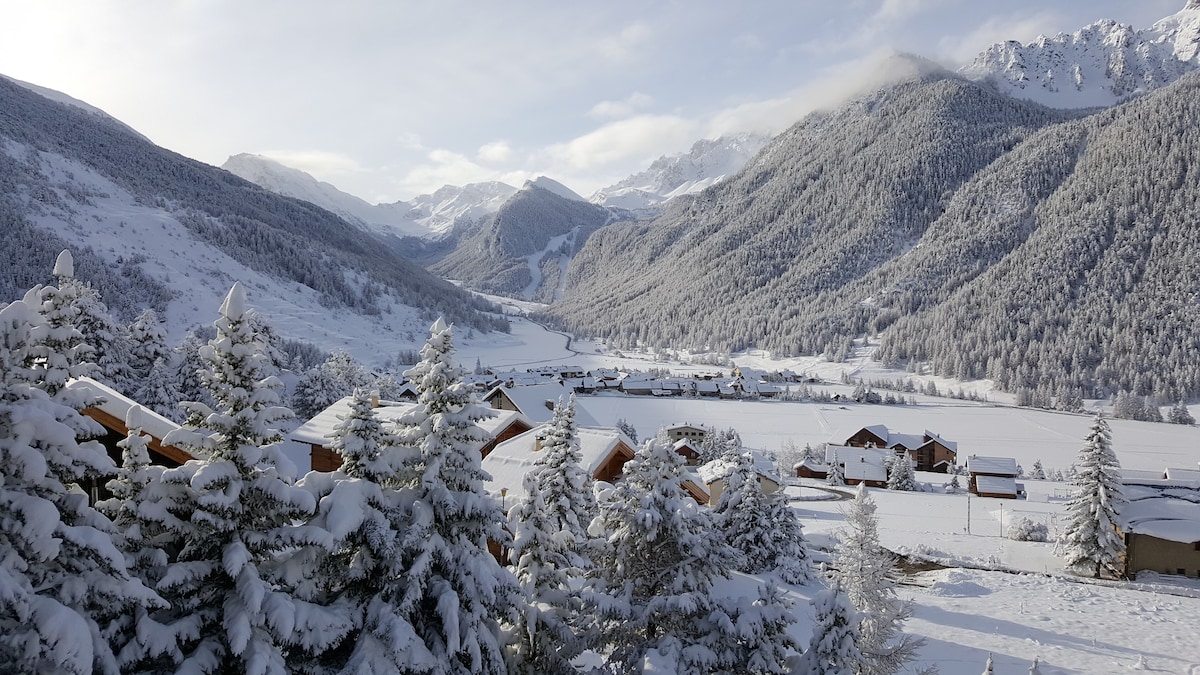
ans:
x=984 y=235
x=523 y=250
x=1099 y=65
x=426 y=216
x=150 y=228
x=708 y=162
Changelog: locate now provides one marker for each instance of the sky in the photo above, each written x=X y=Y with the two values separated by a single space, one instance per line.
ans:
x=389 y=99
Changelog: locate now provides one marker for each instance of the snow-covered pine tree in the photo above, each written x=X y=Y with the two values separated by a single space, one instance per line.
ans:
x=111 y=346
x=161 y=390
x=226 y=608
x=837 y=472
x=144 y=534
x=551 y=547
x=655 y=576
x=57 y=349
x=900 y=474
x=148 y=343
x=761 y=527
x=627 y=429
x=763 y=632
x=834 y=648
x=866 y=570
x=62 y=581
x=1093 y=541
x=1180 y=414
x=363 y=509
x=987 y=667
x=1037 y=473
x=456 y=595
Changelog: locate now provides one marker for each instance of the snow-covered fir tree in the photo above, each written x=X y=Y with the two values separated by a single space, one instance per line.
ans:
x=1094 y=544
x=763 y=631
x=227 y=609
x=147 y=344
x=62 y=581
x=325 y=384
x=837 y=473
x=111 y=348
x=361 y=573
x=834 y=648
x=866 y=571
x=655 y=575
x=1037 y=472
x=761 y=527
x=145 y=536
x=626 y=428
x=551 y=548
x=456 y=596
x=900 y=474
x=57 y=349
x=717 y=443
x=988 y=668
x=1180 y=414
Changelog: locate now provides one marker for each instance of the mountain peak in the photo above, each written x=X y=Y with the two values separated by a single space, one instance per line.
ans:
x=551 y=185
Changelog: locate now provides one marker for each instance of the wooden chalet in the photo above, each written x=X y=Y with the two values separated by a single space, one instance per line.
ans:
x=810 y=468
x=928 y=451
x=860 y=465
x=536 y=402
x=1162 y=520
x=688 y=432
x=714 y=473
x=316 y=432
x=689 y=449
x=993 y=477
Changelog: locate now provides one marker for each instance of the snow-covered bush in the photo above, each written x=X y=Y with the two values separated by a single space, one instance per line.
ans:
x=1024 y=529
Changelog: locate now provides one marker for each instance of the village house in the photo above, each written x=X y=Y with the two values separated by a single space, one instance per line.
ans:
x=994 y=477
x=714 y=473
x=317 y=432
x=686 y=431
x=536 y=402
x=928 y=451
x=860 y=465
x=689 y=449
x=811 y=468
x=1162 y=520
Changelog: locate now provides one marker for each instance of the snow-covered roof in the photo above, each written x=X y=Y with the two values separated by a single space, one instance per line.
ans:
x=995 y=485
x=117 y=404
x=509 y=461
x=1004 y=466
x=717 y=469
x=1174 y=474
x=934 y=437
x=812 y=464
x=865 y=467
x=909 y=441
x=1168 y=509
x=317 y=431
x=846 y=454
x=532 y=399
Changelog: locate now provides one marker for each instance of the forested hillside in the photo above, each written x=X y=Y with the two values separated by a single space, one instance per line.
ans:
x=283 y=238
x=989 y=236
x=494 y=255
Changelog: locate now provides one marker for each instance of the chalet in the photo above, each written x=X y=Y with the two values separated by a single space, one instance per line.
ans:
x=689 y=449
x=110 y=411
x=636 y=386
x=810 y=468
x=604 y=452
x=929 y=451
x=1162 y=524
x=994 y=477
x=317 y=432
x=536 y=402
x=714 y=473
x=581 y=385
x=860 y=465
x=707 y=388
x=689 y=432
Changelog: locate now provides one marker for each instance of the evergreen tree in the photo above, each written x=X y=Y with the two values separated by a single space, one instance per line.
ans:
x=364 y=510
x=834 y=648
x=1038 y=473
x=227 y=609
x=551 y=547
x=57 y=349
x=111 y=348
x=900 y=474
x=762 y=528
x=627 y=429
x=148 y=344
x=866 y=570
x=763 y=632
x=1093 y=541
x=656 y=573
x=1180 y=414
x=64 y=582
x=456 y=596
x=837 y=472
x=145 y=538
x=161 y=390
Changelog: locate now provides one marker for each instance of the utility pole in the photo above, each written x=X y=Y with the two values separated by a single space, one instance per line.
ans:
x=968 y=511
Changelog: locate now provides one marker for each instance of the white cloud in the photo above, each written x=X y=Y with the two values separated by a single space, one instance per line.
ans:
x=495 y=152
x=445 y=167
x=643 y=137
x=1024 y=28
x=614 y=109
x=623 y=47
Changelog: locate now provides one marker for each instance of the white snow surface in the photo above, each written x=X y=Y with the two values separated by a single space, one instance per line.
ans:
x=1099 y=65
x=427 y=216
x=554 y=186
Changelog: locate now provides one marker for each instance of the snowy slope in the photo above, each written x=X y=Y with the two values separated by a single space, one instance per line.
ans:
x=1098 y=65
x=553 y=186
x=59 y=97
x=708 y=162
x=425 y=216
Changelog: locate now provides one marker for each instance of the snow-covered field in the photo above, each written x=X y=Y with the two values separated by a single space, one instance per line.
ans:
x=1029 y=609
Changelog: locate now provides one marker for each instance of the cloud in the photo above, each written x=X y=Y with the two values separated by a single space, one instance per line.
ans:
x=446 y=167
x=643 y=137
x=623 y=47
x=316 y=162
x=495 y=152
x=614 y=109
